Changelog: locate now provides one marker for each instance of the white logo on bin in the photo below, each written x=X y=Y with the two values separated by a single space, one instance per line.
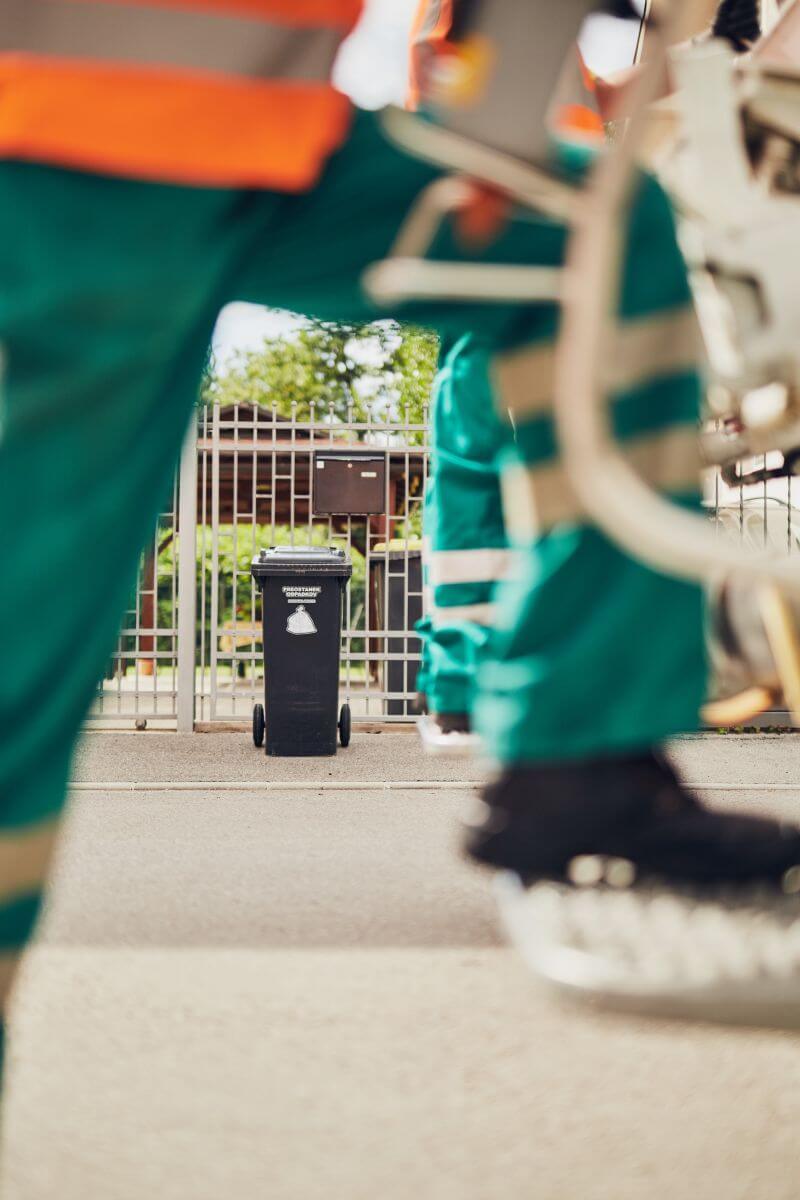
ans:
x=300 y=622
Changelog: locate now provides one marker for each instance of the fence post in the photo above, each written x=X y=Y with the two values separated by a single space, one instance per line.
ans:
x=187 y=579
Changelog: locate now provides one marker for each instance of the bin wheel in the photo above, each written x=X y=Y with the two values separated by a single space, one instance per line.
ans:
x=259 y=724
x=344 y=725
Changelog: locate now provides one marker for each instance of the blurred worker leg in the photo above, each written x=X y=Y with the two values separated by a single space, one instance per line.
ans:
x=595 y=658
x=596 y=654
x=108 y=303
x=466 y=546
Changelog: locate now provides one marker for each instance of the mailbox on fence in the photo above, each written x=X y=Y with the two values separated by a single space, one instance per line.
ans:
x=349 y=484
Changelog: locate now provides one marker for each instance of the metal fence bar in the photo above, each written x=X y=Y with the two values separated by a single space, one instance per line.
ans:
x=187 y=580
x=140 y=685
x=758 y=515
x=203 y=517
x=215 y=579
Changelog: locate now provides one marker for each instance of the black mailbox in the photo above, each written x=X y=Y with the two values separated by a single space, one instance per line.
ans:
x=349 y=484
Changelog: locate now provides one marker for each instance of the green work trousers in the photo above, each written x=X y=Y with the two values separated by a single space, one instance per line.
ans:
x=109 y=290
x=466 y=549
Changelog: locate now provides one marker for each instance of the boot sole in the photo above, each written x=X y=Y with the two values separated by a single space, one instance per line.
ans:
x=731 y=959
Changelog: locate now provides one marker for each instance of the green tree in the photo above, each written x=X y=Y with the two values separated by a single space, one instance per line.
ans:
x=380 y=371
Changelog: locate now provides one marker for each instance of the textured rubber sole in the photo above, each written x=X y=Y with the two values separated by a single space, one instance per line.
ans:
x=446 y=745
x=728 y=958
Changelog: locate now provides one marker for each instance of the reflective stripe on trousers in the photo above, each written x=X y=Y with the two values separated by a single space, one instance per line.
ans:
x=661 y=344
x=539 y=497
x=466 y=566
x=454 y=614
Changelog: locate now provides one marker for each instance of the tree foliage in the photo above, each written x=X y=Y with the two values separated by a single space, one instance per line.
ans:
x=380 y=371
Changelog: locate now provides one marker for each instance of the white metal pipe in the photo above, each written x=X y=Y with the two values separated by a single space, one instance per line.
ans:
x=398 y=278
x=445 y=149
x=215 y=580
x=187 y=579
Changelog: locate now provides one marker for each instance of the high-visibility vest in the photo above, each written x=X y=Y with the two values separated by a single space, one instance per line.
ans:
x=204 y=92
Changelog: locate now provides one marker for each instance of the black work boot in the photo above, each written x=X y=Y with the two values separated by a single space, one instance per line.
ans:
x=445 y=722
x=630 y=817
x=453 y=722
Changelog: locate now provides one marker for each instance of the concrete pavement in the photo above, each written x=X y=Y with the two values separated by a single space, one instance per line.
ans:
x=304 y=995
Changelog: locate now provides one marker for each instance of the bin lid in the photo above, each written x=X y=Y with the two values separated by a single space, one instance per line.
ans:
x=398 y=548
x=302 y=560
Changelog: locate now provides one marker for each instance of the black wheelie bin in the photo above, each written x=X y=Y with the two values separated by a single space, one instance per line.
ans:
x=302 y=588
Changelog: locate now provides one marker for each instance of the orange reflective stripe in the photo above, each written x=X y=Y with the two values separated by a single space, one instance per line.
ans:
x=578 y=118
x=230 y=92
x=158 y=125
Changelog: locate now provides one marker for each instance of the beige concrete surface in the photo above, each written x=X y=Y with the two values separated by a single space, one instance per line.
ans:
x=218 y=757
x=305 y=995
x=759 y=759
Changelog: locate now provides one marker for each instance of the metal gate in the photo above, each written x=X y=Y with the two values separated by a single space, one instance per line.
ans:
x=149 y=679
x=190 y=651
x=759 y=515
x=141 y=681
x=256 y=471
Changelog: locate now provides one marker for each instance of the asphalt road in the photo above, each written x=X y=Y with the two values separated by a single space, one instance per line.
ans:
x=303 y=994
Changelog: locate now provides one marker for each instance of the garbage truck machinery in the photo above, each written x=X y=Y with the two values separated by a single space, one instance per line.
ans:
x=731 y=175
